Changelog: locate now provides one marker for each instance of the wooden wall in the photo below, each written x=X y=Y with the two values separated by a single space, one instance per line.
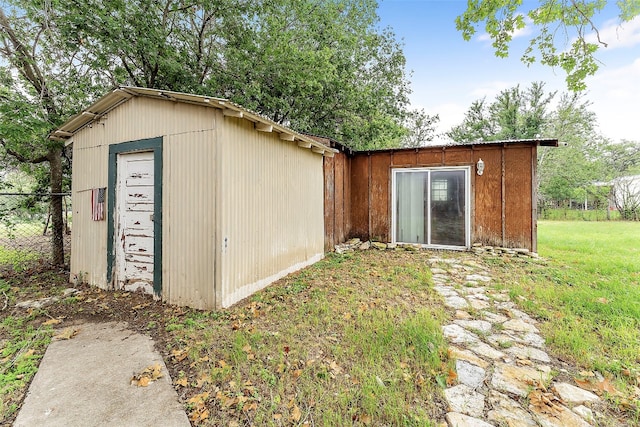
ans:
x=503 y=212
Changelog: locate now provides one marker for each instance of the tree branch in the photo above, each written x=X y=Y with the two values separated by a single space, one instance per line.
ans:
x=21 y=158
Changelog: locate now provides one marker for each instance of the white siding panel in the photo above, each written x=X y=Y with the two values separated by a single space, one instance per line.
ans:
x=271 y=208
x=189 y=220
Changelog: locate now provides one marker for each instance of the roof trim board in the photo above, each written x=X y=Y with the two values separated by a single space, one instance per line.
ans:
x=122 y=94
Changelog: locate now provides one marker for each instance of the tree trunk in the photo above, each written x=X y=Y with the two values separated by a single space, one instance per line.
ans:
x=57 y=224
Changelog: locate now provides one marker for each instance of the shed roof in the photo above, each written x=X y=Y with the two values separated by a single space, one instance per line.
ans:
x=545 y=142
x=122 y=94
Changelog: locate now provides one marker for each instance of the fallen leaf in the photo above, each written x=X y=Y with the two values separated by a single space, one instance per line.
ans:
x=296 y=373
x=277 y=416
x=147 y=376
x=179 y=354
x=452 y=376
x=66 y=334
x=182 y=382
x=603 y=301
x=347 y=316
x=606 y=386
x=51 y=322
x=365 y=419
x=296 y=414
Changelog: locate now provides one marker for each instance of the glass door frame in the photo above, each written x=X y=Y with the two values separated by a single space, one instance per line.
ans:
x=467 y=203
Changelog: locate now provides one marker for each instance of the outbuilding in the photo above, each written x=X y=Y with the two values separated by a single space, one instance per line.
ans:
x=191 y=198
x=444 y=197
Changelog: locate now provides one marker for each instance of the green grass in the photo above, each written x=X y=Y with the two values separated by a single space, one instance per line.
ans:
x=355 y=337
x=588 y=293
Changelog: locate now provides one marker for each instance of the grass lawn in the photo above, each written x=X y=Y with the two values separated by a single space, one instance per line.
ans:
x=588 y=293
x=356 y=338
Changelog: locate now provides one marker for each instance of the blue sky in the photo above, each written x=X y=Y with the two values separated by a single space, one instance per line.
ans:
x=448 y=73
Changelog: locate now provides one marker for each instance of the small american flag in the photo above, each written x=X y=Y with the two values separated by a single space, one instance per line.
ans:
x=97 y=203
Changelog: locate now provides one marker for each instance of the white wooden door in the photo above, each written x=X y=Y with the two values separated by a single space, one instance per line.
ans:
x=134 y=219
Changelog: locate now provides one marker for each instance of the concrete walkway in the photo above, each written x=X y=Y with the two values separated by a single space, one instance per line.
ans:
x=86 y=381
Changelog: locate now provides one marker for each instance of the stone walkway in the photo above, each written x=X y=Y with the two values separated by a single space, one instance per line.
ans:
x=504 y=374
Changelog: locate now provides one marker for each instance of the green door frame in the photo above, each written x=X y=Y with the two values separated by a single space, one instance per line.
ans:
x=151 y=144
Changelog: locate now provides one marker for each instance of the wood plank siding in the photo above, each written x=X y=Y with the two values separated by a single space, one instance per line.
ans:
x=503 y=208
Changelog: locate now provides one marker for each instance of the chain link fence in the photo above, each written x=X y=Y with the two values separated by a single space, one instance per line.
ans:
x=25 y=229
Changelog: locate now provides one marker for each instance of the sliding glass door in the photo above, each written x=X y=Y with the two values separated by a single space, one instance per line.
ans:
x=431 y=206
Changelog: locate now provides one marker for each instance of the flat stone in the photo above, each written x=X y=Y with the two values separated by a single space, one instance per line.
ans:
x=528 y=353
x=493 y=317
x=500 y=297
x=435 y=270
x=70 y=292
x=585 y=413
x=478 y=278
x=507 y=411
x=445 y=291
x=379 y=245
x=519 y=325
x=506 y=305
x=473 y=290
x=455 y=419
x=464 y=400
x=466 y=355
x=574 y=395
x=462 y=315
x=565 y=418
x=485 y=350
x=458 y=335
x=481 y=297
x=474 y=325
x=515 y=379
x=477 y=304
x=533 y=339
x=364 y=246
x=36 y=304
x=469 y=374
x=522 y=315
x=456 y=302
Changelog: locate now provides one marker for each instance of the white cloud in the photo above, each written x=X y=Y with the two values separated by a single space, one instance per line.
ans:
x=616 y=34
x=615 y=94
x=527 y=30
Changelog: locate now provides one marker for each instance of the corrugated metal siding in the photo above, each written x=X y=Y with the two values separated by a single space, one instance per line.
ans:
x=189 y=219
x=182 y=124
x=270 y=206
x=88 y=237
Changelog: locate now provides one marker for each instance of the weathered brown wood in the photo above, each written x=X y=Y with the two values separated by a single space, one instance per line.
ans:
x=359 y=199
x=518 y=206
x=329 y=203
x=339 y=221
x=430 y=157
x=405 y=158
x=457 y=156
x=380 y=197
x=487 y=225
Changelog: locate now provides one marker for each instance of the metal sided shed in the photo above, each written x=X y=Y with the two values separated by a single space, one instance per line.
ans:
x=194 y=199
x=448 y=196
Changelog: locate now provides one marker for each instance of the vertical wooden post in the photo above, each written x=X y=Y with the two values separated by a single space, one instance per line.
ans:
x=503 y=196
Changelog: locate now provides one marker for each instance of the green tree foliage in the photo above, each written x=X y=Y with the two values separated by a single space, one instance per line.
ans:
x=322 y=67
x=42 y=82
x=420 y=128
x=514 y=114
x=567 y=172
x=561 y=29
